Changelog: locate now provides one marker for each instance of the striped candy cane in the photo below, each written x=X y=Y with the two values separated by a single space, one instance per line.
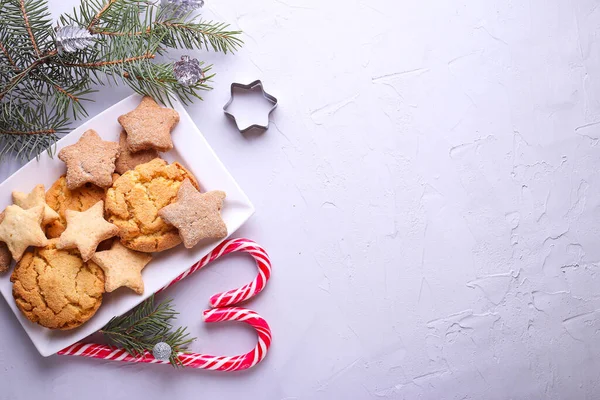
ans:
x=193 y=360
x=247 y=291
x=203 y=361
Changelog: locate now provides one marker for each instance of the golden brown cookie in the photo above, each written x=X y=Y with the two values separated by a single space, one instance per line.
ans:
x=149 y=126
x=91 y=160
x=196 y=215
x=122 y=267
x=85 y=230
x=36 y=197
x=132 y=203
x=56 y=289
x=60 y=198
x=128 y=160
x=21 y=228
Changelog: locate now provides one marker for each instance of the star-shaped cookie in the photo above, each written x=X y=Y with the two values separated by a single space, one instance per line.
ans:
x=128 y=160
x=196 y=215
x=149 y=126
x=122 y=267
x=37 y=197
x=91 y=159
x=21 y=229
x=85 y=230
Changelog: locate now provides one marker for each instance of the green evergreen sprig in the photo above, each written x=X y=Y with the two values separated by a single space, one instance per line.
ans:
x=147 y=324
x=42 y=89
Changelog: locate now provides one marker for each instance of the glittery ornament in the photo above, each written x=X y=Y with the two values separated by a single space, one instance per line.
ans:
x=179 y=8
x=188 y=71
x=71 y=38
x=161 y=351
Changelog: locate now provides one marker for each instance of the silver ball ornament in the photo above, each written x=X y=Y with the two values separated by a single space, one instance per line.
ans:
x=161 y=351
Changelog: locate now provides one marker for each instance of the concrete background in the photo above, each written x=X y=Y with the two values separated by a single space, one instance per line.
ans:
x=429 y=193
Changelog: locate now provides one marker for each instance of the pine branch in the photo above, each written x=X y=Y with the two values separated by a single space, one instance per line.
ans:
x=192 y=35
x=139 y=330
x=27 y=126
x=23 y=74
x=29 y=133
x=28 y=27
x=98 y=15
x=118 y=33
x=41 y=89
x=157 y=80
x=110 y=62
x=117 y=16
x=188 y=35
x=28 y=23
x=8 y=57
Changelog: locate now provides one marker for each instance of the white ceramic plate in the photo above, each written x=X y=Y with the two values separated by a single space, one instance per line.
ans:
x=191 y=150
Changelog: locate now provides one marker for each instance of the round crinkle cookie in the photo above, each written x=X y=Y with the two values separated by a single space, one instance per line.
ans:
x=133 y=202
x=55 y=288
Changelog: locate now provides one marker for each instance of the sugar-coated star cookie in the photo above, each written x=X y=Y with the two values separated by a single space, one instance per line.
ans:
x=91 y=159
x=85 y=230
x=149 y=126
x=122 y=267
x=196 y=215
x=129 y=160
x=21 y=229
x=37 y=197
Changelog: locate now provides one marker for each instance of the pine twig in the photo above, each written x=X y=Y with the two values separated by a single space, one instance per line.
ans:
x=157 y=80
x=190 y=34
x=98 y=15
x=23 y=73
x=111 y=62
x=63 y=91
x=28 y=27
x=139 y=330
x=115 y=33
x=8 y=57
x=38 y=132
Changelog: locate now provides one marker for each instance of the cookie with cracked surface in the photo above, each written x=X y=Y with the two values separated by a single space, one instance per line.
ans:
x=56 y=289
x=60 y=198
x=132 y=203
x=128 y=160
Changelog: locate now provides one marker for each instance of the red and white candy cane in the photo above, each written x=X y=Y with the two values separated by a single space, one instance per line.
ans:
x=193 y=360
x=203 y=361
x=247 y=291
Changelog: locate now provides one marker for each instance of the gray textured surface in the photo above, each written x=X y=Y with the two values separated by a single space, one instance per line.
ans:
x=429 y=194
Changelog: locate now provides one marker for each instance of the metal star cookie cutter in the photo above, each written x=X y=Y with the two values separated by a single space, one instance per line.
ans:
x=249 y=87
